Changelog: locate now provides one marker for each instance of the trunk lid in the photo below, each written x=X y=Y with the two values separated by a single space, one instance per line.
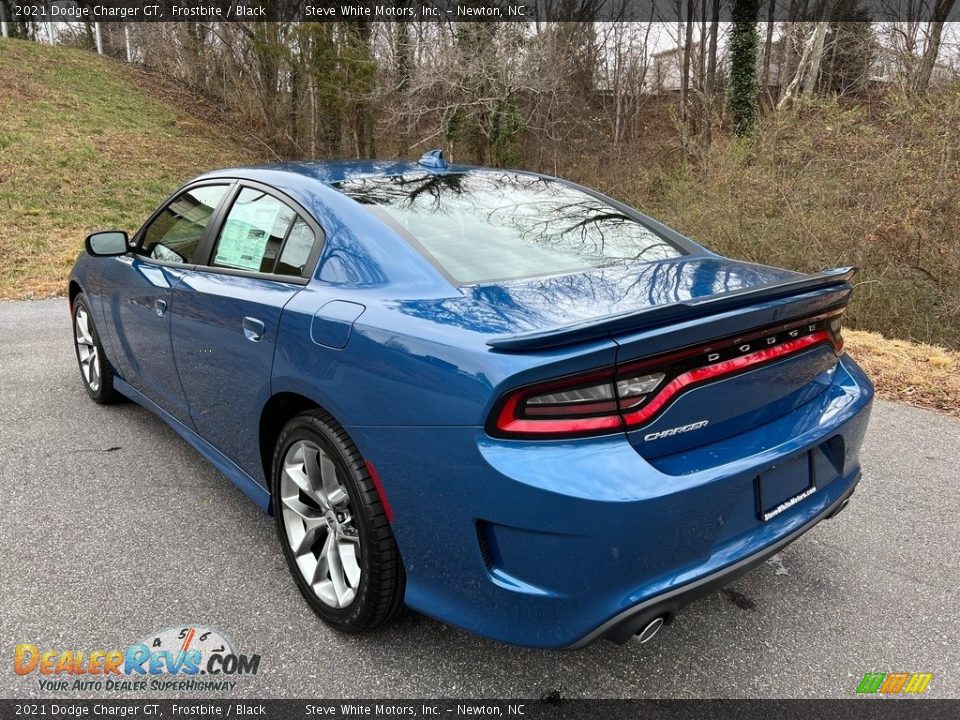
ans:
x=739 y=345
x=725 y=407
x=554 y=311
x=713 y=409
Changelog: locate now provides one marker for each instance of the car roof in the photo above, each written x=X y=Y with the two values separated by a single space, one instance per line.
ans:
x=334 y=171
x=351 y=230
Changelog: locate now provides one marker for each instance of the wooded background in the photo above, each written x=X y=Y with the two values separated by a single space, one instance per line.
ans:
x=803 y=143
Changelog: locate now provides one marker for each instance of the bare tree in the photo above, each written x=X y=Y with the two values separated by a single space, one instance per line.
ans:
x=768 y=43
x=710 y=81
x=931 y=52
x=816 y=56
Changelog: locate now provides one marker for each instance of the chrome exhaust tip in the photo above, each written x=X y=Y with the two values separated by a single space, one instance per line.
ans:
x=652 y=628
x=840 y=508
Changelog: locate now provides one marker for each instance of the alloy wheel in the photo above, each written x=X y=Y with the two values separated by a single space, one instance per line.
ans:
x=319 y=526
x=87 y=351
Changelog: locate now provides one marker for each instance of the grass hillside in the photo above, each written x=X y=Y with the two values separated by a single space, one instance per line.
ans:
x=85 y=145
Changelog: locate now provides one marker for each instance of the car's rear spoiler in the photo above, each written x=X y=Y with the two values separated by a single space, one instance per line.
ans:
x=663 y=314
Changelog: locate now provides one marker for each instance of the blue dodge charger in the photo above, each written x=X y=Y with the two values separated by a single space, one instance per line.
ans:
x=499 y=398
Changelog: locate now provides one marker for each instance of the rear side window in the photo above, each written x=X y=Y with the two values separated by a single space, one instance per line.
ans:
x=174 y=235
x=486 y=226
x=296 y=250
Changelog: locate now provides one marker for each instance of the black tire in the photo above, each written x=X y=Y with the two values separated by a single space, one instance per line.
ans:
x=379 y=595
x=104 y=392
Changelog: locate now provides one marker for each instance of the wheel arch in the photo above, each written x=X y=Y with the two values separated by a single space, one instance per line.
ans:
x=277 y=412
x=73 y=289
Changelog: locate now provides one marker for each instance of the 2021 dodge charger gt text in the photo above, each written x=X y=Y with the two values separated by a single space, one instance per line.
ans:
x=499 y=398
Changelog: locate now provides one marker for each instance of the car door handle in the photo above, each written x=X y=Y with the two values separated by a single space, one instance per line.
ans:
x=160 y=307
x=253 y=329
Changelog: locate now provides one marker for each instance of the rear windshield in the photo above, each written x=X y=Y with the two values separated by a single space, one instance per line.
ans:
x=486 y=226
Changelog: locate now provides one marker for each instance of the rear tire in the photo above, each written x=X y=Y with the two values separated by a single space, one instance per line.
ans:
x=332 y=526
x=95 y=370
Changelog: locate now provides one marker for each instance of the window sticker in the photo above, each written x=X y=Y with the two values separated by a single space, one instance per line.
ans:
x=253 y=231
x=242 y=245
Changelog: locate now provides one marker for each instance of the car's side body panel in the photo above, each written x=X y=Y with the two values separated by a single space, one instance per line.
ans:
x=136 y=302
x=393 y=373
x=223 y=335
x=86 y=276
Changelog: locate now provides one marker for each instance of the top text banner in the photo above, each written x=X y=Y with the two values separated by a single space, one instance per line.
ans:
x=478 y=10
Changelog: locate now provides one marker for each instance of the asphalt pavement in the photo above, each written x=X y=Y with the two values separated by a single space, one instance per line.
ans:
x=112 y=527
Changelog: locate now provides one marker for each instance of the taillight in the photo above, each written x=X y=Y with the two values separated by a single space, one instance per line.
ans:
x=835 y=327
x=580 y=405
x=633 y=390
x=633 y=394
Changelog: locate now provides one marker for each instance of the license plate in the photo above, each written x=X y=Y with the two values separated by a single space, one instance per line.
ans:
x=784 y=485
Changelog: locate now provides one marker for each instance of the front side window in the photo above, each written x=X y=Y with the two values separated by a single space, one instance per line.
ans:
x=174 y=235
x=486 y=226
x=254 y=232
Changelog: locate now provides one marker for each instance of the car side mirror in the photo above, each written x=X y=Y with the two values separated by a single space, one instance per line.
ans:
x=107 y=244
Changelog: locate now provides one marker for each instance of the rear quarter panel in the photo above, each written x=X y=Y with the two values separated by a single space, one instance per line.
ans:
x=398 y=370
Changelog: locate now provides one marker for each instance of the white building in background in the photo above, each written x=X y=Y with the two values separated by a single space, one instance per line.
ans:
x=665 y=71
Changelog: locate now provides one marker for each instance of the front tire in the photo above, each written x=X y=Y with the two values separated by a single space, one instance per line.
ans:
x=95 y=370
x=332 y=526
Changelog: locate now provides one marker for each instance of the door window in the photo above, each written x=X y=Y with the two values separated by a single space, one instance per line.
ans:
x=253 y=232
x=174 y=235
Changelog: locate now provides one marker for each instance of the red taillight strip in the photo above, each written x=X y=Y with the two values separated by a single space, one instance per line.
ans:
x=508 y=422
x=727 y=367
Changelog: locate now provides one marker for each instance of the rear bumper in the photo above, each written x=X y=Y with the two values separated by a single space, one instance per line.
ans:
x=554 y=544
x=628 y=623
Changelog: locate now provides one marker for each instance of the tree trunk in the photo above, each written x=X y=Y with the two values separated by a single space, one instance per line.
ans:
x=768 y=44
x=816 y=56
x=312 y=91
x=702 y=70
x=294 y=127
x=712 y=55
x=685 y=78
x=791 y=41
x=791 y=90
x=687 y=50
x=744 y=41
x=403 y=47
x=364 y=115
x=680 y=62
x=932 y=50
x=709 y=85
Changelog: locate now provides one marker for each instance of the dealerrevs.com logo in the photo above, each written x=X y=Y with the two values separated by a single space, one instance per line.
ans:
x=189 y=658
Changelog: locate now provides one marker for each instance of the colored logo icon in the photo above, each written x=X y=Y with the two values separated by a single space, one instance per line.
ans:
x=894 y=683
